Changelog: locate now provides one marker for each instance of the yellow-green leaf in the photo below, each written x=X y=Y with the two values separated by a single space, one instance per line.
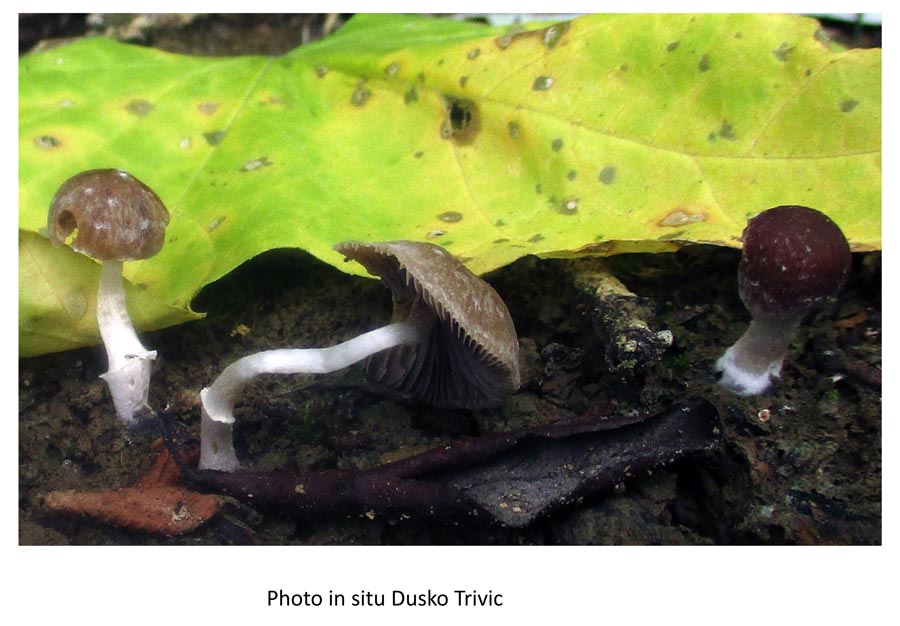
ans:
x=600 y=135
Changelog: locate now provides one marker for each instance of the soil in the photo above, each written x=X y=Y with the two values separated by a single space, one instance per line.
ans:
x=800 y=465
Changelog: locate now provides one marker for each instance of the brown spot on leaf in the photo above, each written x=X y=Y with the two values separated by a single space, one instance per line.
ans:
x=783 y=52
x=505 y=41
x=47 y=142
x=411 y=95
x=552 y=34
x=557 y=144
x=607 y=175
x=848 y=105
x=140 y=108
x=215 y=137
x=208 y=108
x=727 y=131
x=568 y=206
x=535 y=238
x=681 y=217
x=462 y=122
x=542 y=83
x=704 y=64
x=215 y=223
x=672 y=46
x=473 y=53
x=600 y=247
x=360 y=96
x=450 y=217
x=255 y=164
x=514 y=130
x=321 y=70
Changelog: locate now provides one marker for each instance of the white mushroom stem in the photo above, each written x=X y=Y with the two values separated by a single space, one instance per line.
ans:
x=129 y=363
x=217 y=418
x=749 y=366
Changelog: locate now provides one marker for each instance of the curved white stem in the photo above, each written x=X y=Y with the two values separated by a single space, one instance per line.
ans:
x=129 y=362
x=216 y=443
x=749 y=366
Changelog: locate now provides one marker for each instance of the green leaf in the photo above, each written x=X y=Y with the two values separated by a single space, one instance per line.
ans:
x=601 y=135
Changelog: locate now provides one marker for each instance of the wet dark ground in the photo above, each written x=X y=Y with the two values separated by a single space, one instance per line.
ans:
x=811 y=474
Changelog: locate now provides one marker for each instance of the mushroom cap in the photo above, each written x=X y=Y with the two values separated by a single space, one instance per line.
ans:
x=113 y=214
x=794 y=257
x=471 y=357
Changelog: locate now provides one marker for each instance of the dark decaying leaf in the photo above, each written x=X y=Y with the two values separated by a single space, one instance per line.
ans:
x=507 y=478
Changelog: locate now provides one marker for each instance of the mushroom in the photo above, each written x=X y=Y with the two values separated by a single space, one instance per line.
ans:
x=451 y=343
x=793 y=259
x=114 y=218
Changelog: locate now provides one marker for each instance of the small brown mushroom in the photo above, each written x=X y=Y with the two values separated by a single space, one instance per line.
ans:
x=470 y=358
x=451 y=343
x=114 y=217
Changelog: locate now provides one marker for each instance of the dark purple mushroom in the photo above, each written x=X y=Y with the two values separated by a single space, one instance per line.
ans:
x=114 y=218
x=451 y=343
x=793 y=259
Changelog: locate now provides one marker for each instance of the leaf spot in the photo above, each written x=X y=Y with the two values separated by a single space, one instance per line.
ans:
x=360 y=96
x=679 y=217
x=473 y=53
x=208 y=108
x=47 y=142
x=552 y=34
x=75 y=304
x=704 y=64
x=392 y=69
x=572 y=175
x=535 y=238
x=727 y=132
x=514 y=129
x=783 y=52
x=848 y=105
x=557 y=144
x=462 y=122
x=463 y=80
x=321 y=70
x=568 y=206
x=501 y=240
x=140 y=108
x=539 y=189
x=255 y=164
x=411 y=95
x=672 y=46
x=215 y=224
x=419 y=154
x=450 y=217
x=434 y=234
x=607 y=175
x=215 y=137
x=542 y=83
